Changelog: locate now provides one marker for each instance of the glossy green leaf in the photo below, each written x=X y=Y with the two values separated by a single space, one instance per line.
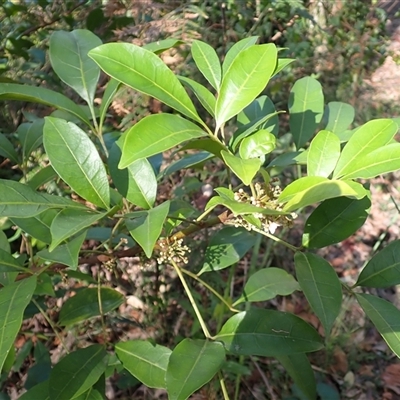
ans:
x=69 y=58
x=70 y=222
x=323 y=154
x=369 y=137
x=7 y=149
x=207 y=62
x=10 y=264
x=66 y=254
x=137 y=183
x=188 y=161
x=269 y=333
x=299 y=368
x=306 y=107
x=41 y=95
x=14 y=298
x=146 y=226
x=85 y=304
x=234 y=51
x=20 y=201
x=321 y=286
x=191 y=365
x=243 y=169
x=338 y=116
x=30 y=135
x=300 y=185
x=385 y=316
x=205 y=97
x=257 y=145
x=162 y=45
x=383 y=269
x=282 y=64
x=77 y=372
x=227 y=247
x=206 y=144
x=245 y=79
x=266 y=284
x=145 y=72
x=40 y=391
x=155 y=134
x=76 y=160
x=145 y=361
x=380 y=161
x=335 y=220
x=111 y=90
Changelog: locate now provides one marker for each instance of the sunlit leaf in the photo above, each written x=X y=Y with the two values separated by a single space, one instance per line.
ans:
x=338 y=116
x=244 y=169
x=257 y=145
x=237 y=48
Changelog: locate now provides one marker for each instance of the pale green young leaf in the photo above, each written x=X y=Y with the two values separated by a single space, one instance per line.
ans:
x=77 y=372
x=321 y=286
x=269 y=333
x=207 y=62
x=191 y=365
x=7 y=149
x=41 y=95
x=145 y=72
x=14 y=298
x=257 y=145
x=155 y=134
x=234 y=51
x=323 y=154
x=338 y=116
x=383 y=269
x=69 y=58
x=386 y=318
x=147 y=362
x=243 y=169
x=245 y=79
x=369 y=137
x=76 y=160
x=306 y=106
x=137 y=183
x=205 y=97
x=146 y=226
x=266 y=284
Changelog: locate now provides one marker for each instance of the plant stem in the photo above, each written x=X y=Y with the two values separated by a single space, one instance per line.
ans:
x=191 y=299
x=103 y=325
x=281 y=241
x=223 y=387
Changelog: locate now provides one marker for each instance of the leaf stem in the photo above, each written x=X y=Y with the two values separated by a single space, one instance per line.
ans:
x=281 y=241
x=223 y=386
x=191 y=299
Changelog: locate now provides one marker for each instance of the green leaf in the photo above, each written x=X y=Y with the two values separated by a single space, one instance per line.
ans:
x=66 y=254
x=137 y=183
x=268 y=333
x=145 y=72
x=289 y=158
x=162 y=45
x=33 y=94
x=10 y=264
x=380 y=161
x=14 y=298
x=234 y=51
x=191 y=365
x=281 y=64
x=266 y=284
x=382 y=270
x=205 y=97
x=70 y=222
x=299 y=368
x=207 y=62
x=321 y=286
x=244 y=169
x=335 y=220
x=385 y=316
x=257 y=145
x=369 y=137
x=300 y=185
x=188 y=161
x=206 y=144
x=146 y=226
x=145 y=361
x=306 y=106
x=155 y=134
x=69 y=58
x=20 y=201
x=76 y=160
x=77 y=372
x=43 y=176
x=85 y=305
x=7 y=149
x=4 y=243
x=40 y=391
x=245 y=79
x=323 y=154
x=111 y=90
x=338 y=116
x=30 y=135
x=227 y=247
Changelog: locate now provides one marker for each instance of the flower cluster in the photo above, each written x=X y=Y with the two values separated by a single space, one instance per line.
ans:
x=263 y=197
x=175 y=251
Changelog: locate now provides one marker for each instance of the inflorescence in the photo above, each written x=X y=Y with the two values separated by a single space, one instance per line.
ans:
x=175 y=251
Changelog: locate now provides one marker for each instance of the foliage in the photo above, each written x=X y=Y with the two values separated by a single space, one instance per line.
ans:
x=110 y=179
